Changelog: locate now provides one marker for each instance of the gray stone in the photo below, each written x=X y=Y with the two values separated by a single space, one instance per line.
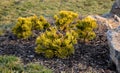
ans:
x=118 y=3
x=113 y=37
x=116 y=8
x=112 y=22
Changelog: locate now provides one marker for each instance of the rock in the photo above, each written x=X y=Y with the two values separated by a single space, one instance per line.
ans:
x=118 y=3
x=31 y=56
x=113 y=21
x=110 y=20
x=116 y=8
x=117 y=18
x=113 y=37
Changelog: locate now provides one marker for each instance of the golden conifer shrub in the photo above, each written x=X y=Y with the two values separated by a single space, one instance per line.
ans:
x=22 y=28
x=85 y=28
x=53 y=43
x=65 y=19
x=25 y=26
x=39 y=23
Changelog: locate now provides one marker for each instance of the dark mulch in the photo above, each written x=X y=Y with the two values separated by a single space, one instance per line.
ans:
x=92 y=57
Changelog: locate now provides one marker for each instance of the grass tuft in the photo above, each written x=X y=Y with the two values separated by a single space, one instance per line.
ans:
x=12 y=64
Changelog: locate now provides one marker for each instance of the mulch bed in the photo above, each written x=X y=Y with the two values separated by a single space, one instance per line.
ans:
x=92 y=57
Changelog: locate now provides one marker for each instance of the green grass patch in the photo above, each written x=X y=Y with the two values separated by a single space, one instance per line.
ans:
x=12 y=64
x=10 y=10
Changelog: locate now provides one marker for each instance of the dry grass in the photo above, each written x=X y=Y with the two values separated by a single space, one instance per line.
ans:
x=10 y=10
